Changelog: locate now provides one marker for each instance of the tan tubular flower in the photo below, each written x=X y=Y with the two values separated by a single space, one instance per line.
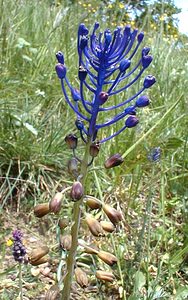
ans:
x=107 y=226
x=37 y=254
x=73 y=166
x=66 y=241
x=91 y=249
x=94 y=150
x=113 y=161
x=113 y=214
x=53 y=293
x=81 y=277
x=93 y=202
x=106 y=276
x=40 y=261
x=40 y=210
x=55 y=203
x=94 y=226
x=63 y=223
x=107 y=257
x=77 y=191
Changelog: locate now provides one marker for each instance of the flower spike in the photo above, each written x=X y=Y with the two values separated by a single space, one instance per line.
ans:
x=102 y=55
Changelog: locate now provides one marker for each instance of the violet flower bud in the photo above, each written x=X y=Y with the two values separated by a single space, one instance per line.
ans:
x=60 y=57
x=140 y=37
x=79 y=124
x=103 y=97
x=131 y=121
x=82 y=30
x=146 y=61
x=130 y=110
x=145 y=51
x=75 y=95
x=82 y=73
x=83 y=42
x=77 y=191
x=142 y=101
x=149 y=81
x=61 y=70
x=124 y=65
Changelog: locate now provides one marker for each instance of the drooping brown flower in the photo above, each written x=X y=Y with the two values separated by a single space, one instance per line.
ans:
x=81 y=277
x=94 y=226
x=104 y=275
x=40 y=210
x=113 y=214
x=107 y=257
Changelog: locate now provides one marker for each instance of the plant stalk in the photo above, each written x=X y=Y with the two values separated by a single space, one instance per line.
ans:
x=75 y=229
x=20 y=281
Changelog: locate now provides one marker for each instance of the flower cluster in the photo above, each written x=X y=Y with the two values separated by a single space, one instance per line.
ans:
x=155 y=154
x=105 y=69
x=19 y=250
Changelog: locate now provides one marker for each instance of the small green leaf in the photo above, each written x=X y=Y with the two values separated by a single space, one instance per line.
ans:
x=140 y=281
x=30 y=128
x=27 y=58
x=182 y=293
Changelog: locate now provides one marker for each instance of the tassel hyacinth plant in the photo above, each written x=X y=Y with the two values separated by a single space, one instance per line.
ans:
x=106 y=69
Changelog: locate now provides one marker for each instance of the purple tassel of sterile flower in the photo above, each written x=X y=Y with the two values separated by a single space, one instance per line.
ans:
x=19 y=250
x=106 y=68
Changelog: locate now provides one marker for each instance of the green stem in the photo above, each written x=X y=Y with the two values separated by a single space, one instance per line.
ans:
x=20 y=282
x=75 y=230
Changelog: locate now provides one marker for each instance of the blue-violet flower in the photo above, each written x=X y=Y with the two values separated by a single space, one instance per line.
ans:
x=105 y=69
x=19 y=250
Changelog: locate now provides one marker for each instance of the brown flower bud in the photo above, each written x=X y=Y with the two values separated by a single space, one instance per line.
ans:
x=113 y=161
x=63 y=223
x=40 y=261
x=93 y=202
x=66 y=241
x=71 y=140
x=81 y=277
x=107 y=226
x=73 y=166
x=77 y=191
x=40 y=210
x=106 y=276
x=107 y=257
x=113 y=214
x=91 y=249
x=55 y=203
x=94 y=150
x=53 y=293
x=37 y=253
x=94 y=226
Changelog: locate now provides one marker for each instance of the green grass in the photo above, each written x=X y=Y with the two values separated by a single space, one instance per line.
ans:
x=33 y=156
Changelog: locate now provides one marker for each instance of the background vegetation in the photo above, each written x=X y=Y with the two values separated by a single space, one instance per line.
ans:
x=152 y=244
